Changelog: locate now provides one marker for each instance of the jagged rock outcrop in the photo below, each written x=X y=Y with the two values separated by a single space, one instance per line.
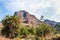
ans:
x=28 y=18
x=52 y=23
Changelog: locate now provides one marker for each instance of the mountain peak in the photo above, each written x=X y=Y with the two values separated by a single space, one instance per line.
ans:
x=28 y=18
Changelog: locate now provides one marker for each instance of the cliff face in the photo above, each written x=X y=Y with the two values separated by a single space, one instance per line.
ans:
x=52 y=23
x=28 y=18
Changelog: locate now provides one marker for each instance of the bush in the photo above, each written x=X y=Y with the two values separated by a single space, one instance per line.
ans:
x=11 y=25
x=25 y=32
x=43 y=30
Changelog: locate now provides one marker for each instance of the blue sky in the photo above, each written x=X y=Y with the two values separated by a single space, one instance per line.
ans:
x=49 y=8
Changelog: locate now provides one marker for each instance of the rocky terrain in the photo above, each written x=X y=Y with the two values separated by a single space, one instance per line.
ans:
x=28 y=18
x=52 y=23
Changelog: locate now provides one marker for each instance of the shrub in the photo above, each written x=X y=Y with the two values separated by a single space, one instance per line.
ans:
x=11 y=25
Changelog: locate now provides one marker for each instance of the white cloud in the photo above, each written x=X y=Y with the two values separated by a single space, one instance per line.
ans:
x=56 y=5
x=27 y=4
x=55 y=18
x=33 y=5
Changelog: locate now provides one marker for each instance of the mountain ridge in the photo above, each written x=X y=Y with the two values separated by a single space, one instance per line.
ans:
x=52 y=23
x=31 y=19
x=28 y=18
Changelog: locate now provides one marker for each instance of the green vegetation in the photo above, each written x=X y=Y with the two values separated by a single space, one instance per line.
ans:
x=24 y=31
x=57 y=27
x=13 y=28
x=11 y=25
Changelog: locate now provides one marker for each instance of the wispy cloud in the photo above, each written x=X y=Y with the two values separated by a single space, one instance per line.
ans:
x=48 y=8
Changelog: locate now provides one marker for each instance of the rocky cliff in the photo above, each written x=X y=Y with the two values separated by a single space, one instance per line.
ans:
x=28 y=18
x=52 y=23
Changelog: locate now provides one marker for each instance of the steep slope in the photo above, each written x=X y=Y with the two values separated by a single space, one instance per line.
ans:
x=52 y=23
x=28 y=18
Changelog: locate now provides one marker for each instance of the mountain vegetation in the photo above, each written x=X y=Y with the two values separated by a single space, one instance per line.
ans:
x=14 y=28
x=57 y=27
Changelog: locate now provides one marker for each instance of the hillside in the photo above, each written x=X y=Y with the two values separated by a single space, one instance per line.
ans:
x=23 y=25
x=28 y=18
x=52 y=23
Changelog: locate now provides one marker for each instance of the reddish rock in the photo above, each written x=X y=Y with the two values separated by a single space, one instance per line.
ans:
x=28 y=18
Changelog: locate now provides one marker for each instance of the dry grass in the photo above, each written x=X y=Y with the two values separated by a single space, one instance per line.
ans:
x=1 y=25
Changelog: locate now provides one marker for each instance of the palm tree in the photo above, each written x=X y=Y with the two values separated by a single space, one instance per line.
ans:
x=11 y=24
x=41 y=18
